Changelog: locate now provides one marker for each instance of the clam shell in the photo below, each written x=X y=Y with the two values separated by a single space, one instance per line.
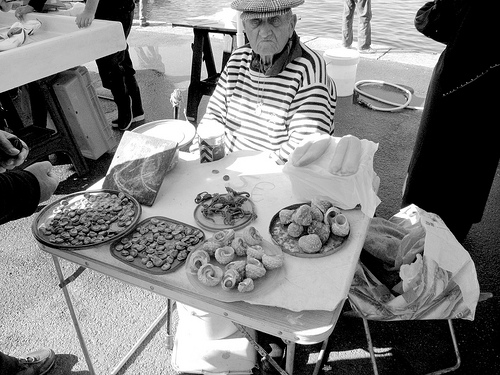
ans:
x=295 y=230
x=340 y=226
x=321 y=229
x=286 y=216
x=224 y=255
x=322 y=204
x=310 y=243
x=302 y=215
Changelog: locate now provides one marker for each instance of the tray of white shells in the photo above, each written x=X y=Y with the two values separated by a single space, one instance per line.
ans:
x=86 y=219
x=157 y=245
x=235 y=266
x=310 y=230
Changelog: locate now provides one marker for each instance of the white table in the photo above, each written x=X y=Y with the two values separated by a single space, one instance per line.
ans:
x=303 y=309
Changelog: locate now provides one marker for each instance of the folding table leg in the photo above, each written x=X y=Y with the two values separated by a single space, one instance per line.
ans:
x=319 y=361
x=73 y=315
x=370 y=346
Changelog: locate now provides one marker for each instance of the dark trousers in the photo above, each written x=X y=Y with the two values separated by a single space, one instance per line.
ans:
x=8 y=365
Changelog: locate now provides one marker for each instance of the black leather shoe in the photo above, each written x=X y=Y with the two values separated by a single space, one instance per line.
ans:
x=37 y=363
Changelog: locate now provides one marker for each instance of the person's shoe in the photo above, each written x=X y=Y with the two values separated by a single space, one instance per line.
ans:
x=367 y=50
x=37 y=363
x=124 y=119
x=144 y=23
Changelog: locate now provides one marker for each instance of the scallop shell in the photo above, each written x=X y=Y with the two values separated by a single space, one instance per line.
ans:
x=255 y=251
x=238 y=265
x=252 y=236
x=224 y=254
x=330 y=215
x=210 y=247
x=210 y=275
x=271 y=262
x=285 y=216
x=230 y=279
x=223 y=237
x=295 y=230
x=254 y=268
x=310 y=243
x=246 y=285
x=322 y=204
x=240 y=246
x=321 y=229
x=197 y=259
x=302 y=215
x=340 y=226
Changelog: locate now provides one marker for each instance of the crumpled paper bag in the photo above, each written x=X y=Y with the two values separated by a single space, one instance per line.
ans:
x=346 y=192
x=438 y=276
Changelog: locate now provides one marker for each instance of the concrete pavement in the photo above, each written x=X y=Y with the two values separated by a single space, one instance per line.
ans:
x=33 y=312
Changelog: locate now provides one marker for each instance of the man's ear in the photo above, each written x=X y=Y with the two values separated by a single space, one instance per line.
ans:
x=293 y=22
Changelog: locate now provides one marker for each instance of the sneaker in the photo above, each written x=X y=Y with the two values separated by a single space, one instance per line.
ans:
x=124 y=119
x=134 y=119
x=37 y=363
x=367 y=50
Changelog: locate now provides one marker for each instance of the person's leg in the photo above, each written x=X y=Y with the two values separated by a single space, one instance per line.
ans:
x=8 y=364
x=347 y=19
x=364 y=26
x=143 y=13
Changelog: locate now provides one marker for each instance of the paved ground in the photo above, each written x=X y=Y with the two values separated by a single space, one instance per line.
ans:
x=33 y=312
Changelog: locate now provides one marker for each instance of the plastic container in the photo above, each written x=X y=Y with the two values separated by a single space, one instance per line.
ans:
x=195 y=353
x=85 y=116
x=342 y=64
x=182 y=132
x=206 y=325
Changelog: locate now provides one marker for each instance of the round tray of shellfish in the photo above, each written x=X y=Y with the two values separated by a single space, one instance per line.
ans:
x=157 y=245
x=310 y=230
x=233 y=266
x=86 y=219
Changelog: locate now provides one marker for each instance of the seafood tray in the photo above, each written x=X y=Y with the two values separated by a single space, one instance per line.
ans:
x=86 y=219
x=157 y=245
x=262 y=285
x=289 y=244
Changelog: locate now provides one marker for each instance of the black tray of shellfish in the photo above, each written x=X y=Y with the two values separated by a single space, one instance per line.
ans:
x=86 y=219
x=157 y=245
x=303 y=230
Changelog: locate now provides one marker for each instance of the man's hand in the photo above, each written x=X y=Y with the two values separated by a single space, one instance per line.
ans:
x=14 y=156
x=85 y=18
x=48 y=183
x=22 y=10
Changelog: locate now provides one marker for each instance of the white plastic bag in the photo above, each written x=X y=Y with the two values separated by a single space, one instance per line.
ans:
x=439 y=283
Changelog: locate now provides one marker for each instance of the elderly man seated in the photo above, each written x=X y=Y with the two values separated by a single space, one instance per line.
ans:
x=275 y=90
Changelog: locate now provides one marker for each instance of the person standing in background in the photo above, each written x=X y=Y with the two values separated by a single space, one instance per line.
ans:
x=456 y=152
x=116 y=70
x=364 y=24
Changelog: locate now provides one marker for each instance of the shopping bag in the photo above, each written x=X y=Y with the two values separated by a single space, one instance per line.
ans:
x=437 y=277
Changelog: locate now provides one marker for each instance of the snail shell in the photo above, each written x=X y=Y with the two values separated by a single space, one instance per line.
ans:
x=252 y=236
x=271 y=262
x=210 y=275
x=240 y=246
x=254 y=268
x=255 y=251
x=340 y=226
x=238 y=265
x=321 y=229
x=310 y=243
x=223 y=237
x=210 y=247
x=330 y=215
x=224 y=255
x=197 y=259
x=230 y=279
x=246 y=285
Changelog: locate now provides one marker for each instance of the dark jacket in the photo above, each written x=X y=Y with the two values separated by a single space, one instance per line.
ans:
x=105 y=8
x=19 y=195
